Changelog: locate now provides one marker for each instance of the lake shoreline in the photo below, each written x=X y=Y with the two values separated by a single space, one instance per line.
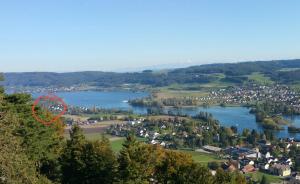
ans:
x=228 y=116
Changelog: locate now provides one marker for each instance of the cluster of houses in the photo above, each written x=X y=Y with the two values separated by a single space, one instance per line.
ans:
x=242 y=159
x=55 y=108
x=52 y=89
x=246 y=94
x=249 y=94
x=123 y=129
x=70 y=122
x=247 y=160
x=144 y=129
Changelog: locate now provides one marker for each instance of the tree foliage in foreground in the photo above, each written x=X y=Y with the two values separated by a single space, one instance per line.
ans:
x=87 y=161
x=94 y=162
x=33 y=153
x=16 y=166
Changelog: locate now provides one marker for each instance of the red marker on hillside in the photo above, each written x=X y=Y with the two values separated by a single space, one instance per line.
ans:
x=52 y=104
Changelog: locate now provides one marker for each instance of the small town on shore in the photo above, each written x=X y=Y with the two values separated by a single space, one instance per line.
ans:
x=248 y=152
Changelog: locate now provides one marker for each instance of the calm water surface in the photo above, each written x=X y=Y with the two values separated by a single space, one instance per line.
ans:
x=101 y=99
x=228 y=116
x=239 y=117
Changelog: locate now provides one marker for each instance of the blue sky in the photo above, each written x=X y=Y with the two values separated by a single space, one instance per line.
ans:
x=119 y=35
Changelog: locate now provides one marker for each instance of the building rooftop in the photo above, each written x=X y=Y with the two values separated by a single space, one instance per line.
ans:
x=212 y=148
x=281 y=166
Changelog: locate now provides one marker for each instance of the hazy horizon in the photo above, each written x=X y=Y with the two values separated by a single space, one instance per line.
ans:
x=154 y=68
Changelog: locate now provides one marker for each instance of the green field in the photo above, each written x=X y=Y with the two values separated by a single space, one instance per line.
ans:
x=193 y=89
x=97 y=136
x=258 y=175
x=116 y=144
x=197 y=156
x=167 y=93
x=260 y=78
x=203 y=158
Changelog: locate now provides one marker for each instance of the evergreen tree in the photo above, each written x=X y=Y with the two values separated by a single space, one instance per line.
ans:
x=15 y=165
x=101 y=164
x=87 y=162
x=222 y=177
x=136 y=161
x=41 y=143
x=72 y=163
x=213 y=165
x=173 y=167
x=196 y=174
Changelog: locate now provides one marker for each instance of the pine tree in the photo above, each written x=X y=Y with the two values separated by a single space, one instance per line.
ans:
x=72 y=164
x=41 y=143
x=137 y=161
x=15 y=165
x=101 y=164
x=89 y=162
x=222 y=177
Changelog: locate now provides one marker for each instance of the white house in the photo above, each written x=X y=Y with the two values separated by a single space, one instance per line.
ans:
x=268 y=155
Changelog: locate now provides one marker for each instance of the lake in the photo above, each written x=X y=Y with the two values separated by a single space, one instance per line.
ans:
x=228 y=116
x=101 y=99
x=239 y=117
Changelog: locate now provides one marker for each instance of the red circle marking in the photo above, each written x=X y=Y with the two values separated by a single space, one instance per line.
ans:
x=52 y=98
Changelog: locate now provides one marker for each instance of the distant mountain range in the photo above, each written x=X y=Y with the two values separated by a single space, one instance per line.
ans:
x=280 y=71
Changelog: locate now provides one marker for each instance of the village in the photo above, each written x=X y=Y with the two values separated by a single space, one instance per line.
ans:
x=248 y=94
x=245 y=158
x=203 y=134
x=254 y=93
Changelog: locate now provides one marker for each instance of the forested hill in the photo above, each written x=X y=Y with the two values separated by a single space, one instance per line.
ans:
x=281 y=71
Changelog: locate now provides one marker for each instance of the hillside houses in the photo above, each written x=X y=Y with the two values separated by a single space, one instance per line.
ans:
x=247 y=160
x=280 y=170
x=174 y=134
x=252 y=93
x=240 y=153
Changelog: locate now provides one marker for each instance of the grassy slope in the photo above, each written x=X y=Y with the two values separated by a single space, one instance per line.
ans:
x=166 y=93
x=260 y=78
x=116 y=144
x=258 y=176
x=203 y=158
x=186 y=90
